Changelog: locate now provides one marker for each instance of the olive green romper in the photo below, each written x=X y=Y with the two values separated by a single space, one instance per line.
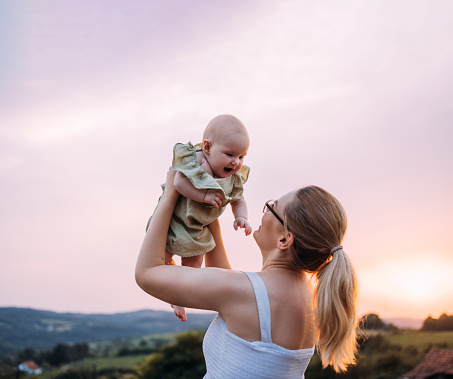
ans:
x=188 y=234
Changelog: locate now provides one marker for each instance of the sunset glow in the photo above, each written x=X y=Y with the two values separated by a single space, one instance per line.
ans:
x=416 y=283
x=352 y=96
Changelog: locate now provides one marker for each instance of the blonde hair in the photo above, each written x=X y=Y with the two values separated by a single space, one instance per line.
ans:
x=318 y=223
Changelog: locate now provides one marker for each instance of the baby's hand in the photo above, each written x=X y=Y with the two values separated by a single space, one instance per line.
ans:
x=241 y=222
x=213 y=197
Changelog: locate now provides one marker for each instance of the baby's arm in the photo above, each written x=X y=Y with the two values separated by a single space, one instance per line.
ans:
x=240 y=214
x=186 y=188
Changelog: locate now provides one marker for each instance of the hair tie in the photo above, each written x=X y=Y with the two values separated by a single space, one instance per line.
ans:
x=339 y=247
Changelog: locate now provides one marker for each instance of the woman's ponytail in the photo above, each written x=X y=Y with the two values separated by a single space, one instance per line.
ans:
x=318 y=223
x=335 y=312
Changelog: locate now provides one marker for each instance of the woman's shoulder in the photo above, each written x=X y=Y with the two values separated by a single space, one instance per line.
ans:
x=235 y=280
x=234 y=285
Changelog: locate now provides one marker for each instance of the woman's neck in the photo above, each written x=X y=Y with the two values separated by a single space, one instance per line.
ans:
x=282 y=271
x=274 y=260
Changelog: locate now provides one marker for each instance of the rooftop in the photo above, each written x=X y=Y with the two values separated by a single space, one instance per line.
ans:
x=437 y=361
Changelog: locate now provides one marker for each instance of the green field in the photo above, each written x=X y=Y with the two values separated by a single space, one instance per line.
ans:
x=421 y=339
x=106 y=355
x=100 y=363
x=128 y=362
x=414 y=345
x=113 y=346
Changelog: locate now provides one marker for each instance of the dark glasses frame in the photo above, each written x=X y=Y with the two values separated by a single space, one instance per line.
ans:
x=269 y=205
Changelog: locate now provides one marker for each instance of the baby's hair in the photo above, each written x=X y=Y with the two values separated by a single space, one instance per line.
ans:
x=222 y=125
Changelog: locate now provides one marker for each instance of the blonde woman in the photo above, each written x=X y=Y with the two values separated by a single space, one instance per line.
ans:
x=268 y=322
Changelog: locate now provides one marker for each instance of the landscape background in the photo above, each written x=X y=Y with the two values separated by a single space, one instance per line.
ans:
x=151 y=344
x=352 y=96
x=23 y=328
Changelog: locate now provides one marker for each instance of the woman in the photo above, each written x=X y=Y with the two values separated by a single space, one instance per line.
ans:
x=261 y=335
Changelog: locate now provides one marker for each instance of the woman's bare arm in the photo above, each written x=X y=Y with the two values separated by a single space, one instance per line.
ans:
x=152 y=252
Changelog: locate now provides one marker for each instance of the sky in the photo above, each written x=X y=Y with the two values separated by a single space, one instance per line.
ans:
x=353 y=96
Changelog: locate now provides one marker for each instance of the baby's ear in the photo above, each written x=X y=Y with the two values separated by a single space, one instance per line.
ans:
x=206 y=146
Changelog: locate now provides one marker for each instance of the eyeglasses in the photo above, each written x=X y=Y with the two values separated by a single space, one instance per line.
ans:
x=269 y=207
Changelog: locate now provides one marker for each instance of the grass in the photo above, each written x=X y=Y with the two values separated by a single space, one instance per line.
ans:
x=421 y=339
x=100 y=363
x=127 y=362
x=105 y=355
x=113 y=346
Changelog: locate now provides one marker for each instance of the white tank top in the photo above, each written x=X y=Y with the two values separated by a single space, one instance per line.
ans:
x=229 y=357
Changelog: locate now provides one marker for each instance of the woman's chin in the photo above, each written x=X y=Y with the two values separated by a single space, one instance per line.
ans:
x=256 y=232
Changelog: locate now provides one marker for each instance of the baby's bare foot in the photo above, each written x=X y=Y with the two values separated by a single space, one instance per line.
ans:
x=180 y=312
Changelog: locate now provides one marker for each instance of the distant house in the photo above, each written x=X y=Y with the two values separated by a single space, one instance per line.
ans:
x=437 y=364
x=30 y=367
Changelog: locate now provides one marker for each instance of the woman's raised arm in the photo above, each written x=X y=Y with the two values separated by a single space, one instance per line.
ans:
x=152 y=252
x=186 y=286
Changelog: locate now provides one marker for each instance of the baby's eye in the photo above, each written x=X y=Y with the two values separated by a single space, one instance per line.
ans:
x=230 y=155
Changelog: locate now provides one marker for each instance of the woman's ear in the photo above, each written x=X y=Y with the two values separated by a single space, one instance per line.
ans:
x=206 y=146
x=285 y=241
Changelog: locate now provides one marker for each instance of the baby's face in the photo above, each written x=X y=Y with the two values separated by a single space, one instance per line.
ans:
x=226 y=155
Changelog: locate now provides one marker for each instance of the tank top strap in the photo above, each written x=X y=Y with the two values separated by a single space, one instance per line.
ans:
x=264 y=309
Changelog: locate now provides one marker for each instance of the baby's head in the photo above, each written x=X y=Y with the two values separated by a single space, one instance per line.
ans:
x=225 y=144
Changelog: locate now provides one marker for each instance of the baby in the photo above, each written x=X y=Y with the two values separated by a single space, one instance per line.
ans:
x=209 y=176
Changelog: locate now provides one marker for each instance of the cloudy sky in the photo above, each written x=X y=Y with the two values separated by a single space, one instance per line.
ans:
x=354 y=96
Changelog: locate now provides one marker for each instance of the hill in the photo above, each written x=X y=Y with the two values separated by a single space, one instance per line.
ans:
x=21 y=328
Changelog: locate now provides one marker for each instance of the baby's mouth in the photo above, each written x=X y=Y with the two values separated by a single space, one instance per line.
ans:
x=228 y=169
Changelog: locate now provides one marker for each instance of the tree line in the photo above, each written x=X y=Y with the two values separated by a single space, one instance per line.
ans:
x=59 y=355
x=444 y=322
x=372 y=321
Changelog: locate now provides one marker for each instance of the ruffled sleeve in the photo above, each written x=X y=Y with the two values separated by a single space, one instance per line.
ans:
x=185 y=161
x=240 y=178
x=243 y=174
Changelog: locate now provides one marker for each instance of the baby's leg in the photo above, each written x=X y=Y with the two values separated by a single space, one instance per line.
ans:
x=196 y=262
x=180 y=312
x=169 y=258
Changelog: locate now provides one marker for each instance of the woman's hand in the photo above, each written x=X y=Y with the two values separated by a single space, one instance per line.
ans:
x=170 y=189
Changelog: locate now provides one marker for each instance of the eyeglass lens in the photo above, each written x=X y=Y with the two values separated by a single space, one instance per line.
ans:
x=269 y=206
